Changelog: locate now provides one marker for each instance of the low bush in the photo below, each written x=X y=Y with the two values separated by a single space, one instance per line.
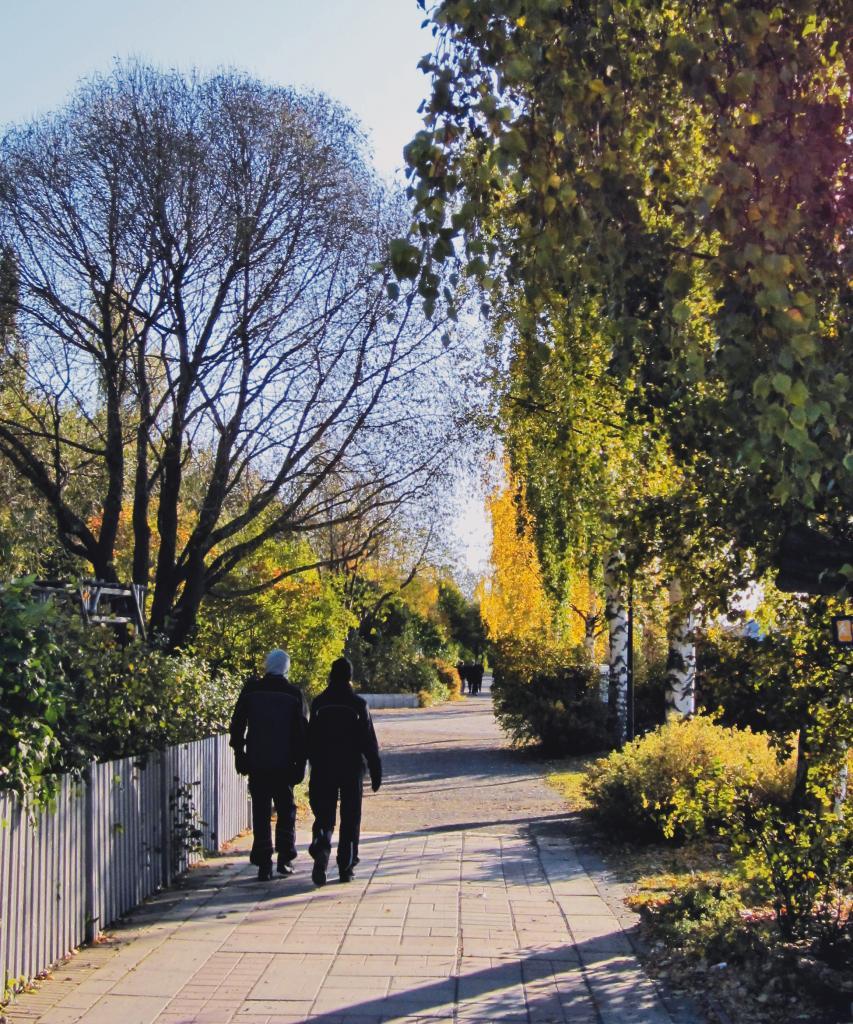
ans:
x=433 y=680
x=700 y=915
x=559 y=710
x=721 y=944
x=441 y=688
x=34 y=697
x=406 y=675
x=800 y=860
x=679 y=779
x=129 y=699
x=448 y=677
x=70 y=693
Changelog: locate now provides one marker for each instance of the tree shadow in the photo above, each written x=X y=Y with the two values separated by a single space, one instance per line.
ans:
x=587 y=982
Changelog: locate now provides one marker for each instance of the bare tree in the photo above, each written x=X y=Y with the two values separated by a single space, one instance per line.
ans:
x=208 y=339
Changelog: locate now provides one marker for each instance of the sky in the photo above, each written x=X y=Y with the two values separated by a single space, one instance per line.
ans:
x=363 y=53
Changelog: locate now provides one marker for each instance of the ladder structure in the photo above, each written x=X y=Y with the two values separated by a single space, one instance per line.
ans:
x=100 y=602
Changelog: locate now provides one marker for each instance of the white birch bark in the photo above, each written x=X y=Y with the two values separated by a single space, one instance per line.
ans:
x=604 y=683
x=843 y=780
x=589 y=641
x=681 y=662
x=841 y=785
x=616 y=613
x=591 y=620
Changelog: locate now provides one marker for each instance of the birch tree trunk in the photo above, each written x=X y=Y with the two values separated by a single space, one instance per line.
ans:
x=617 y=626
x=681 y=662
x=604 y=683
x=590 y=623
x=843 y=778
x=841 y=786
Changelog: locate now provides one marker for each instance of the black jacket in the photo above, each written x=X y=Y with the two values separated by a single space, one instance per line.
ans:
x=341 y=735
x=269 y=729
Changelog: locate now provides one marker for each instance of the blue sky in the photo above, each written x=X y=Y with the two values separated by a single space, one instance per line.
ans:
x=362 y=52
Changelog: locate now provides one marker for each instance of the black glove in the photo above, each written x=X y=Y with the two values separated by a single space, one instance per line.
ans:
x=241 y=762
x=375 y=782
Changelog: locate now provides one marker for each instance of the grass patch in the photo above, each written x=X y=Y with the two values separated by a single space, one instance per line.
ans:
x=566 y=776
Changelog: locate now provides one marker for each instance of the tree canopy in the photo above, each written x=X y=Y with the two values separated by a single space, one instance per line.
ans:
x=682 y=175
x=209 y=355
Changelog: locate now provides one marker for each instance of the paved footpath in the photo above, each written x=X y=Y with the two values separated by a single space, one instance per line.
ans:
x=470 y=905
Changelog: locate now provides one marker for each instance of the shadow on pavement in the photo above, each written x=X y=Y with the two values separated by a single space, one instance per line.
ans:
x=466 y=826
x=589 y=982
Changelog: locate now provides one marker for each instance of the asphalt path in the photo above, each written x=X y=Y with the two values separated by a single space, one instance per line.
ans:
x=451 y=767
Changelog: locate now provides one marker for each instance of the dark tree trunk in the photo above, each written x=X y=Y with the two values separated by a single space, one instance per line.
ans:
x=141 y=484
x=111 y=515
x=182 y=623
x=166 y=576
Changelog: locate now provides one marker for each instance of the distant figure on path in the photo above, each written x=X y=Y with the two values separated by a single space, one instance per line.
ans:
x=340 y=738
x=475 y=677
x=269 y=734
x=462 y=669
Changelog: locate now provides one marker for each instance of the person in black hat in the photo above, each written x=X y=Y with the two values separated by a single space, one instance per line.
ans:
x=269 y=733
x=340 y=738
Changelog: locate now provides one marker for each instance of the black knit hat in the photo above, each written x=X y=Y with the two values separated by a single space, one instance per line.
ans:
x=341 y=672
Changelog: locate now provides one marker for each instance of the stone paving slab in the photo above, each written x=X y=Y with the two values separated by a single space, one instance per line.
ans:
x=476 y=918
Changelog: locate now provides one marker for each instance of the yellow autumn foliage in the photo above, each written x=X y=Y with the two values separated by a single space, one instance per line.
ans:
x=584 y=599
x=513 y=600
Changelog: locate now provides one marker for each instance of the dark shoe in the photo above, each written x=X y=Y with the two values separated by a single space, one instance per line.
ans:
x=284 y=867
x=345 y=875
x=265 y=873
x=318 y=874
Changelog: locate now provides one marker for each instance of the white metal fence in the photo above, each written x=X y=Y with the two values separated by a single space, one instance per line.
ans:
x=390 y=700
x=107 y=844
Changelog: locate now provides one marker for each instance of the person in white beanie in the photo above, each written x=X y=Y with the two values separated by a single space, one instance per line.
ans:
x=269 y=736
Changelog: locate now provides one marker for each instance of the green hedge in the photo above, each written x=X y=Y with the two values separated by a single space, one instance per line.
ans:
x=35 y=696
x=69 y=694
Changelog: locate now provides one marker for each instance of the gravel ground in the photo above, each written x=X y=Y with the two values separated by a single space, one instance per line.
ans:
x=451 y=766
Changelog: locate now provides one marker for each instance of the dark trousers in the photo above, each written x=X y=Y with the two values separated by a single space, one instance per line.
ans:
x=324 y=791
x=265 y=794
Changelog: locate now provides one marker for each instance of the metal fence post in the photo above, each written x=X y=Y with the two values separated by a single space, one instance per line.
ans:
x=216 y=787
x=92 y=911
x=110 y=842
x=165 y=822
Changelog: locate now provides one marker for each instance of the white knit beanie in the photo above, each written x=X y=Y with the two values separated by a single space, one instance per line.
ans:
x=278 y=663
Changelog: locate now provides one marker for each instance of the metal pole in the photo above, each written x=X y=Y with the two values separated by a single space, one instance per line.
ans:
x=630 y=660
x=165 y=818
x=92 y=913
x=215 y=841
